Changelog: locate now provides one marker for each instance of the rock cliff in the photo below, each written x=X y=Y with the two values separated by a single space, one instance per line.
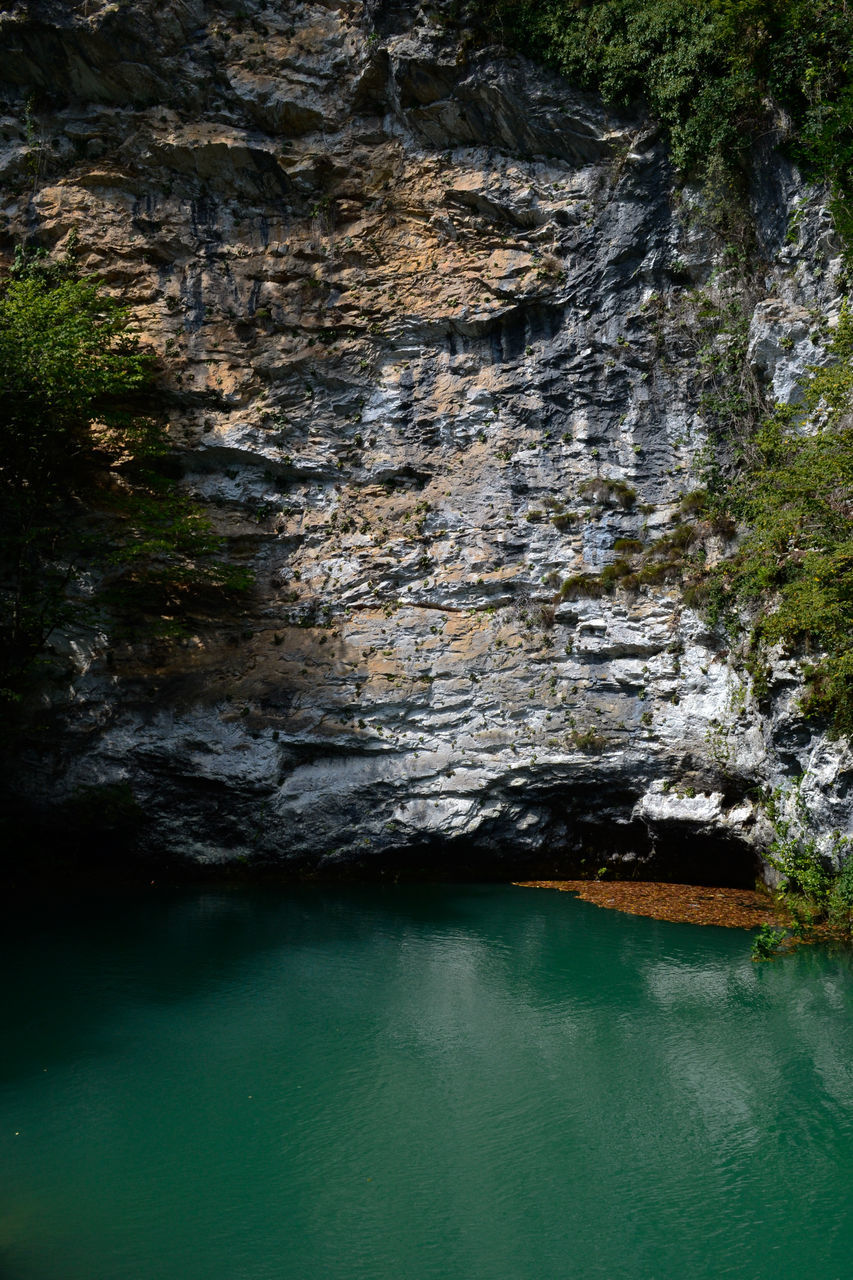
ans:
x=428 y=328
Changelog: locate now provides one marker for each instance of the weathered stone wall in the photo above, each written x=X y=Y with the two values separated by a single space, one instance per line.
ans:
x=410 y=302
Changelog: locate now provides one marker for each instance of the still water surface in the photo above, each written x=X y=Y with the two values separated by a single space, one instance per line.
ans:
x=420 y=1083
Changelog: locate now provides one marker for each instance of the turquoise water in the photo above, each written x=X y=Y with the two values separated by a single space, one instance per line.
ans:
x=464 y=1083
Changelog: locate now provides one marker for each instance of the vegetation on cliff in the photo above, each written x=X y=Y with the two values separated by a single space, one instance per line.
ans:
x=815 y=887
x=707 y=70
x=778 y=503
x=792 y=570
x=92 y=524
x=716 y=75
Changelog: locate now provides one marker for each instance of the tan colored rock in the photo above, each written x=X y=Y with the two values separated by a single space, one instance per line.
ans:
x=406 y=304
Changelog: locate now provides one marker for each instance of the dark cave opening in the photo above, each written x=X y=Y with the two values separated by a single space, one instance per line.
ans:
x=562 y=835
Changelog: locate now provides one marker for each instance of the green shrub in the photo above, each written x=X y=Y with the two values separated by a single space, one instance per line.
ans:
x=86 y=482
x=816 y=886
x=69 y=368
x=588 y=740
x=654 y=574
x=694 y=502
x=582 y=585
x=841 y=897
x=609 y=492
x=611 y=573
x=676 y=541
x=767 y=942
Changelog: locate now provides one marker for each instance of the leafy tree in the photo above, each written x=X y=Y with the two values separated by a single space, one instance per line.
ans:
x=69 y=365
x=84 y=485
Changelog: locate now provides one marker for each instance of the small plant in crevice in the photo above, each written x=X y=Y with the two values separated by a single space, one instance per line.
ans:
x=592 y=586
x=609 y=492
x=582 y=586
x=589 y=739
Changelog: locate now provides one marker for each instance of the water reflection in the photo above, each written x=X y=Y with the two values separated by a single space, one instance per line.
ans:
x=419 y=1082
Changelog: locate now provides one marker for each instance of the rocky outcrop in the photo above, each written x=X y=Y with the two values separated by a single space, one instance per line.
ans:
x=427 y=330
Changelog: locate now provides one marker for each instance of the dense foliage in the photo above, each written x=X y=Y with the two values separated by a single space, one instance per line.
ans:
x=91 y=522
x=705 y=69
x=66 y=358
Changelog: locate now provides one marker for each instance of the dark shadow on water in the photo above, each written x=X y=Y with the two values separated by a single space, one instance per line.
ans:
x=681 y=856
x=81 y=959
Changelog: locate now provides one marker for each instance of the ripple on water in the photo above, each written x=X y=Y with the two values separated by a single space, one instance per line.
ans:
x=416 y=1082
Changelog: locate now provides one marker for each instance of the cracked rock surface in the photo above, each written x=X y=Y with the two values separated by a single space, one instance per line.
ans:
x=420 y=314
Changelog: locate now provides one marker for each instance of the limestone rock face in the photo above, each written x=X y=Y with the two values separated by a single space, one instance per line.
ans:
x=428 y=338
